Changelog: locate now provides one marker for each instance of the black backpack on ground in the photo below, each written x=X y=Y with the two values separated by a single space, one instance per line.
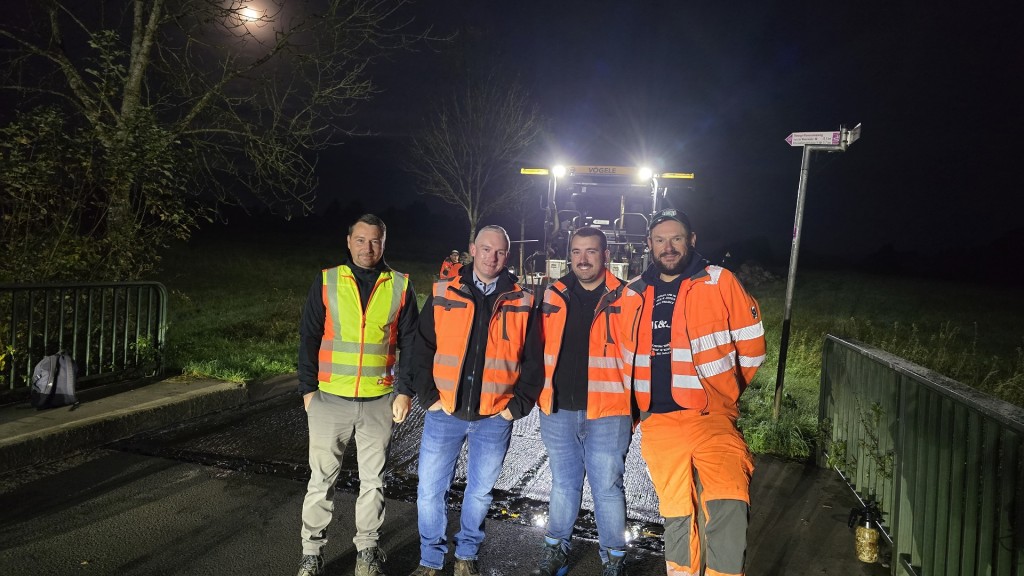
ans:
x=53 y=381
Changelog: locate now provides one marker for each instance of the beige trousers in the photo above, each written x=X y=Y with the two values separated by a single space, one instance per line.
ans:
x=333 y=421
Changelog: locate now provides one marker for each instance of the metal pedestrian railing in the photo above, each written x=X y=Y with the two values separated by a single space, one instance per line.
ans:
x=113 y=330
x=943 y=462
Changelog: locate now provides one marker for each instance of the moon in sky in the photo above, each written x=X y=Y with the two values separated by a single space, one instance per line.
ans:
x=249 y=14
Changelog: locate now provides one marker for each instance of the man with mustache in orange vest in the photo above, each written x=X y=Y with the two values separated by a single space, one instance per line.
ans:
x=585 y=418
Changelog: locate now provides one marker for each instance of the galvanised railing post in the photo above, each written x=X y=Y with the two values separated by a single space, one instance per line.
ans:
x=100 y=343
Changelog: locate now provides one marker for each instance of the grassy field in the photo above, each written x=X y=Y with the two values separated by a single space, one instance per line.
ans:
x=236 y=301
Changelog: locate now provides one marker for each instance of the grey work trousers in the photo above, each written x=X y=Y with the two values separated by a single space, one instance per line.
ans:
x=333 y=421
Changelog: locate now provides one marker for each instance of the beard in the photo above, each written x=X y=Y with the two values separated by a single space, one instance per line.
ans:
x=677 y=268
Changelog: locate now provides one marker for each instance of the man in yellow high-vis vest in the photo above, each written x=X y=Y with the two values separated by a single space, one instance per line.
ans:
x=357 y=316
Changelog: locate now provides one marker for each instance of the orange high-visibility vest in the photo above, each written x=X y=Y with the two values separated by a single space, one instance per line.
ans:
x=717 y=341
x=357 y=352
x=606 y=394
x=506 y=335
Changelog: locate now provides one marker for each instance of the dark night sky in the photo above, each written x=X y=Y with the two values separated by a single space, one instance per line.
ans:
x=715 y=88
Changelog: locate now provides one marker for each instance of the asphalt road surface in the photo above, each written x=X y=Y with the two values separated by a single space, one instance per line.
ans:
x=222 y=494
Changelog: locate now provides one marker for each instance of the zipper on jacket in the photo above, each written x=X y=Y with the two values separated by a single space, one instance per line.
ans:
x=686 y=329
x=362 y=330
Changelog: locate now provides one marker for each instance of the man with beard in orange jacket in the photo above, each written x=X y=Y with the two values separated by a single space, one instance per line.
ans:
x=691 y=340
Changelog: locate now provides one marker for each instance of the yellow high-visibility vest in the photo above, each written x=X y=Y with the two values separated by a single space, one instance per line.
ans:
x=357 y=352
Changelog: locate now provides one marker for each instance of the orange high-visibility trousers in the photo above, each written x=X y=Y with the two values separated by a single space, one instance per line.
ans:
x=693 y=460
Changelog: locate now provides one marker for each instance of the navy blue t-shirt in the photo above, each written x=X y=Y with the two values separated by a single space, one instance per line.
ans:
x=661 y=345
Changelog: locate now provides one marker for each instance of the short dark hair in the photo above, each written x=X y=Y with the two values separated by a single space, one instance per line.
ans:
x=371 y=220
x=588 y=232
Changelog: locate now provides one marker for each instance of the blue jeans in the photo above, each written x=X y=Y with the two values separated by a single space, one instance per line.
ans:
x=443 y=436
x=597 y=448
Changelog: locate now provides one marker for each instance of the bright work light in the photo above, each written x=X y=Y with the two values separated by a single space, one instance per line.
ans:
x=644 y=173
x=558 y=171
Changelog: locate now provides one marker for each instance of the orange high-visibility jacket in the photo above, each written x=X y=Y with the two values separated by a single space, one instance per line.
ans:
x=449 y=269
x=717 y=341
x=453 y=307
x=606 y=395
x=357 y=352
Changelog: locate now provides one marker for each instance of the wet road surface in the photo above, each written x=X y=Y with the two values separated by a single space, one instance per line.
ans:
x=271 y=438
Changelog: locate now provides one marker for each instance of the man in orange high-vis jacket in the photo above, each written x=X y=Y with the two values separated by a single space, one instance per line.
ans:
x=691 y=340
x=356 y=317
x=585 y=419
x=450 y=266
x=475 y=345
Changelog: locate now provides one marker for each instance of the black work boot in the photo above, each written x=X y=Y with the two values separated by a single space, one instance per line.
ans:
x=553 y=560
x=616 y=564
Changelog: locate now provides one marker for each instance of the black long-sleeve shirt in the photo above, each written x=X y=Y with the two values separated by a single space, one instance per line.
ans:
x=570 y=379
x=531 y=377
x=314 y=314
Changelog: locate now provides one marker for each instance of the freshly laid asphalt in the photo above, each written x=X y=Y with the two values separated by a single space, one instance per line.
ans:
x=797 y=525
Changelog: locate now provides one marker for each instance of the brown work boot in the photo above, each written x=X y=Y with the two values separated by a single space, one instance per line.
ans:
x=466 y=568
x=370 y=562
x=422 y=570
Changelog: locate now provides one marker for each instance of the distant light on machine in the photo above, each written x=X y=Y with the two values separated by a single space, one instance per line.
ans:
x=535 y=171
x=644 y=173
x=558 y=170
x=683 y=175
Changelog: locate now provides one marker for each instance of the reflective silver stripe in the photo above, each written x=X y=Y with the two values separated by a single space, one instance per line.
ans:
x=604 y=362
x=549 y=359
x=709 y=341
x=332 y=281
x=446 y=360
x=353 y=347
x=398 y=284
x=605 y=386
x=639 y=360
x=547 y=382
x=444 y=384
x=751 y=361
x=495 y=388
x=748 y=333
x=449 y=303
x=685 y=381
x=642 y=386
x=503 y=365
x=724 y=364
x=348 y=370
x=682 y=355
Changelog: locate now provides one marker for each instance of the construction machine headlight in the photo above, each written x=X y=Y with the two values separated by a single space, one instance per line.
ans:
x=644 y=173
x=558 y=170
